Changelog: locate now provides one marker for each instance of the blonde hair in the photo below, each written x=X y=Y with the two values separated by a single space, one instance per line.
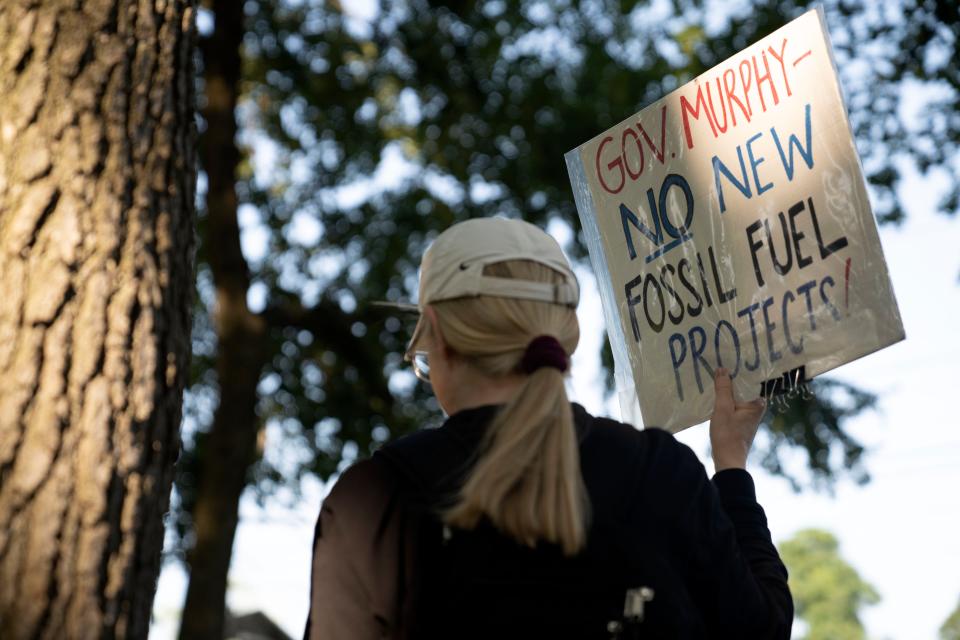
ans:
x=526 y=479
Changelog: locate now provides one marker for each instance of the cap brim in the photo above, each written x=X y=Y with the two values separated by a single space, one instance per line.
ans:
x=403 y=307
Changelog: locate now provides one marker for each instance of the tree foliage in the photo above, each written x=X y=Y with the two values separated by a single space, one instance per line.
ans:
x=828 y=593
x=464 y=109
x=472 y=105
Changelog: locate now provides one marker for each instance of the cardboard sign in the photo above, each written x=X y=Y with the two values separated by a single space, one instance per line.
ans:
x=728 y=224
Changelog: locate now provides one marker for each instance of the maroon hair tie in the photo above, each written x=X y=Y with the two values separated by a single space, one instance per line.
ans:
x=544 y=351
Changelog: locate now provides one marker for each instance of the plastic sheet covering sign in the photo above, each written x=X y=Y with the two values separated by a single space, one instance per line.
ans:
x=728 y=224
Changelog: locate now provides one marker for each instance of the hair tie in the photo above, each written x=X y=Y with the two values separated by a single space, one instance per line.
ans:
x=544 y=351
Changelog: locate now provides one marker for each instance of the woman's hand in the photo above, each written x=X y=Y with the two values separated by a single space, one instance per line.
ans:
x=732 y=425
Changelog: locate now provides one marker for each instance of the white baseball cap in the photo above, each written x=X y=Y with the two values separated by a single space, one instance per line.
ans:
x=452 y=267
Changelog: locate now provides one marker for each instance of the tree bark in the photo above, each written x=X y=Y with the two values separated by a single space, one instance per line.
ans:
x=97 y=179
x=230 y=447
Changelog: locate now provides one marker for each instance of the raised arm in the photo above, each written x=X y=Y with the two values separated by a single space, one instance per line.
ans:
x=735 y=572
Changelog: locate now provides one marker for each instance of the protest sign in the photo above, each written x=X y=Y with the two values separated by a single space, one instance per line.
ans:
x=728 y=225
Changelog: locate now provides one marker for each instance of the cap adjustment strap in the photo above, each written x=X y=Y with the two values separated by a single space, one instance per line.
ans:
x=563 y=293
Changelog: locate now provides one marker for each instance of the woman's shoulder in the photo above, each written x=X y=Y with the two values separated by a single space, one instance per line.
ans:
x=648 y=464
x=362 y=484
x=616 y=437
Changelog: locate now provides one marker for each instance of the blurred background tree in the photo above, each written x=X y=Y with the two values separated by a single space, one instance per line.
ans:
x=828 y=593
x=340 y=138
x=950 y=630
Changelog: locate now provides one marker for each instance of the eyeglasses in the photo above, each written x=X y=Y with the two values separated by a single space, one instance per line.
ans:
x=418 y=357
x=421 y=367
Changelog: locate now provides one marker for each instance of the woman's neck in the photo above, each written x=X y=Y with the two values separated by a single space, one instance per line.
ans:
x=470 y=388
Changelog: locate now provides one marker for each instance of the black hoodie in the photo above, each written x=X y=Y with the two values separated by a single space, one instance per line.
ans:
x=385 y=567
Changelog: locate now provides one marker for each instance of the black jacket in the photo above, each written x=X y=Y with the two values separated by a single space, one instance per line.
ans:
x=384 y=566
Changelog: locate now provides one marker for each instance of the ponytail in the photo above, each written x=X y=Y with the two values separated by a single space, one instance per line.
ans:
x=526 y=480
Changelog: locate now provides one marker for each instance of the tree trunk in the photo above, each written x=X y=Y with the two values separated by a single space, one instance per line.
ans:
x=97 y=179
x=230 y=447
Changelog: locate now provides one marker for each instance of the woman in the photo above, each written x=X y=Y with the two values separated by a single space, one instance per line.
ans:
x=523 y=515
